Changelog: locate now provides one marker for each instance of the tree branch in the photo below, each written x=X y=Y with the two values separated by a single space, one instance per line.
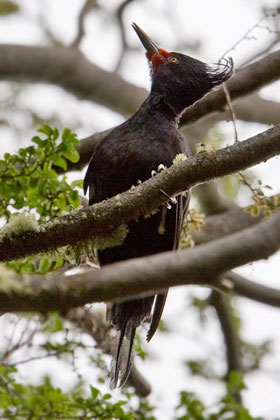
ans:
x=221 y=304
x=211 y=202
x=253 y=290
x=223 y=224
x=201 y=265
x=103 y=218
x=231 y=338
x=69 y=69
x=251 y=108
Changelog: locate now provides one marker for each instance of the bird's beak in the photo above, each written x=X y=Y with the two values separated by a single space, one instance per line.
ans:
x=148 y=44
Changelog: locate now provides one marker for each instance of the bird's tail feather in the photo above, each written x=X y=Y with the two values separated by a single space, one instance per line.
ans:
x=115 y=368
x=157 y=312
x=126 y=317
x=129 y=357
x=122 y=360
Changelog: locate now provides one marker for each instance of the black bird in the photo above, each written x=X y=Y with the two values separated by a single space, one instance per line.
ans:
x=148 y=142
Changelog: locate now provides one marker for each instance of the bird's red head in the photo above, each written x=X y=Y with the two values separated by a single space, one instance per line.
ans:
x=155 y=55
x=179 y=79
x=157 y=58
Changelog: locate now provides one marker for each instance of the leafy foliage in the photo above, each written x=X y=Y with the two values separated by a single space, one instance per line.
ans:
x=29 y=178
x=35 y=402
x=193 y=221
x=21 y=400
x=228 y=408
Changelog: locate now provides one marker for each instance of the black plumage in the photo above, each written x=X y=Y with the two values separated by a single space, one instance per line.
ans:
x=146 y=142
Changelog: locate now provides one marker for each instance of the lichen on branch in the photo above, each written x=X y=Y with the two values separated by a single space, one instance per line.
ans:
x=104 y=217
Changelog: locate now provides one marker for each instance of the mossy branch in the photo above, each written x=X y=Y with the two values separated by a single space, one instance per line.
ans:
x=201 y=265
x=105 y=217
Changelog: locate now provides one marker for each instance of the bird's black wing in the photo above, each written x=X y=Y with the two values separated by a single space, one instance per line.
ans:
x=89 y=183
x=160 y=299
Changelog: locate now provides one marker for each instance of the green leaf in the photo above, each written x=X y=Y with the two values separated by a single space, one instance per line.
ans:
x=37 y=140
x=235 y=383
x=60 y=161
x=60 y=202
x=44 y=265
x=94 y=392
x=66 y=133
x=55 y=324
x=33 y=182
x=119 y=413
x=19 y=201
x=27 y=268
x=46 y=129
x=13 y=265
x=71 y=154
x=74 y=199
x=55 y=134
x=69 y=137
x=59 y=263
x=49 y=173
x=7 y=7
x=78 y=183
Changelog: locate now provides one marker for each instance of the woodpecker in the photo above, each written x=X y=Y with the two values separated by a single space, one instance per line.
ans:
x=144 y=144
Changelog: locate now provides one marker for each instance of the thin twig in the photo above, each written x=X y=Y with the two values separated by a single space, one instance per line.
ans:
x=89 y=4
x=20 y=342
x=124 y=45
x=260 y=53
x=247 y=36
x=232 y=111
x=43 y=356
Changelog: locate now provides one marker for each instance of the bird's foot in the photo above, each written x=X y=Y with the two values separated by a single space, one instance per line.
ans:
x=172 y=200
x=161 y=167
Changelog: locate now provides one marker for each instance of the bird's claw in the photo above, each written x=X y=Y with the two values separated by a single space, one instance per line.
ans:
x=172 y=200
x=161 y=167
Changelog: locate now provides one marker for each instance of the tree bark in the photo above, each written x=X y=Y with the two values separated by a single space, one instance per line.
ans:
x=103 y=218
x=201 y=265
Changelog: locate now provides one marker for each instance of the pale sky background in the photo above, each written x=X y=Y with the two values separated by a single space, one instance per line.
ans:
x=218 y=25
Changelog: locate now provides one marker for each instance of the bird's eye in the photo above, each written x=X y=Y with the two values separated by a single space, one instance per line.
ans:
x=173 y=60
